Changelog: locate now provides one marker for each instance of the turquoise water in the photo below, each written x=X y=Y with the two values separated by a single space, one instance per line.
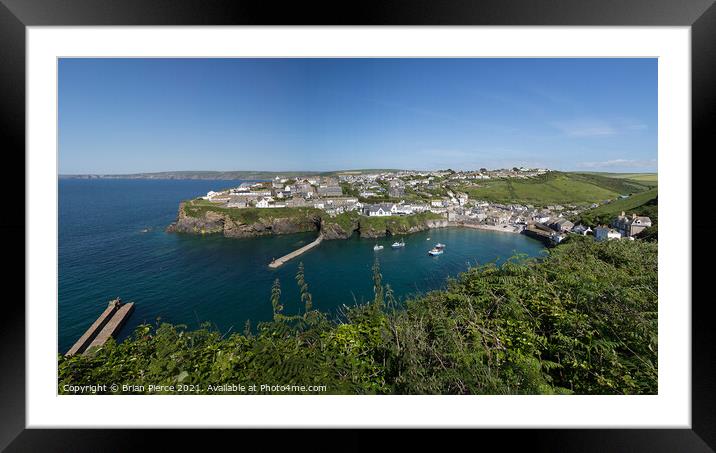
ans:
x=112 y=243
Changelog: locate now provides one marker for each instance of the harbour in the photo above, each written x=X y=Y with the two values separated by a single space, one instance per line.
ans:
x=105 y=252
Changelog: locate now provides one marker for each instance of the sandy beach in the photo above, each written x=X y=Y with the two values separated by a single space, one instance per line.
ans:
x=500 y=228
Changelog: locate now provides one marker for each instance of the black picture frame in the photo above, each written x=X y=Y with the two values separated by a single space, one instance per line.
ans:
x=16 y=15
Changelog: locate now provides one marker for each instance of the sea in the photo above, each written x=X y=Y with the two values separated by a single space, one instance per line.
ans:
x=113 y=243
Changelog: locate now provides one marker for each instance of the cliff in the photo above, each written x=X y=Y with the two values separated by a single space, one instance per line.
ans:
x=374 y=227
x=240 y=223
x=199 y=217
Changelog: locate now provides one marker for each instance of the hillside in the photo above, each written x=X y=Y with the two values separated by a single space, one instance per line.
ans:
x=554 y=188
x=644 y=204
x=649 y=180
x=540 y=326
x=622 y=185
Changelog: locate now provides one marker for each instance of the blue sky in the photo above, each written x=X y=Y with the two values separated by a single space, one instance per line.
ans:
x=146 y=115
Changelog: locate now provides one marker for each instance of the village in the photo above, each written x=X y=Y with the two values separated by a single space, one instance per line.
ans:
x=404 y=193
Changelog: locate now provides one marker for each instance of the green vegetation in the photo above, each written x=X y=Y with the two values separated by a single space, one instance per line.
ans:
x=347 y=220
x=650 y=234
x=349 y=190
x=581 y=320
x=644 y=177
x=198 y=208
x=398 y=223
x=622 y=186
x=550 y=188
x=643 y=204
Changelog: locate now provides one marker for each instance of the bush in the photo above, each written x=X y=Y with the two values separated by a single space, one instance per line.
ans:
x=581 y=320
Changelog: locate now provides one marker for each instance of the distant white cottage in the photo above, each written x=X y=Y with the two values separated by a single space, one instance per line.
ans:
x=380 y=210
x=604 y=233
x=264 y=202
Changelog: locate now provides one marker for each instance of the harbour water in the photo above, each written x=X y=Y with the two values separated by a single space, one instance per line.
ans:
x=112 y=243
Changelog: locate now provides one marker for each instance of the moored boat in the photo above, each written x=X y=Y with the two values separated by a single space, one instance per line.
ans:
x=377 y=247
x=439 y=246
x=397 y=245
x=435 y=252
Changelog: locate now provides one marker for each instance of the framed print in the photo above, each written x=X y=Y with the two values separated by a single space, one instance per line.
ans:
x=404 y=219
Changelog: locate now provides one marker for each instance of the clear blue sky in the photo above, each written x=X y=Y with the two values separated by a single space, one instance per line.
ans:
x=146 y=115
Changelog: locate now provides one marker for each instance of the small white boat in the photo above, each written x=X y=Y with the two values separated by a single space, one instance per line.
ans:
x=439 y=246
x=427 y=239
x=435 y=252
x=397 y=245
x=377 y=247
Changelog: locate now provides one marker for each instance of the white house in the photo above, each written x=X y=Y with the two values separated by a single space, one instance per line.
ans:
x=581 y=229
x=404 y=209
x=264 y=202
x=604 y=233
x=377 y=211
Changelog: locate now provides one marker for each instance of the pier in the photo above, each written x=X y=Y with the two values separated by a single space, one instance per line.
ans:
x=280 y=261
x=106 y=326
x=540 y=232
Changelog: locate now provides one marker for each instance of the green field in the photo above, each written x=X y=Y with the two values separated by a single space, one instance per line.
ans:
x=552 y=188
x=646 y=179
x=653 y=177
x=644 y=204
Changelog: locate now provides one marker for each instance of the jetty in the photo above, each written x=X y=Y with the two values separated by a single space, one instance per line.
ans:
x=539 y=232
x=105 y=327
x=280 y=261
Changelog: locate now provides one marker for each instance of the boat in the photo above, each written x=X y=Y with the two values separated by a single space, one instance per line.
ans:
x=377 y=247
x=439 y=246
x=435 y=252
x=427 y=239
x=397 y=245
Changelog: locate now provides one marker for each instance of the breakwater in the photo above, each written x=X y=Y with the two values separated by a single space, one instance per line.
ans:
x=106 y=326
x=280 y=261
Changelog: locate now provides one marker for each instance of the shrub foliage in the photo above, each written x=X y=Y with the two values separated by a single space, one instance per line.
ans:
x=581 y=320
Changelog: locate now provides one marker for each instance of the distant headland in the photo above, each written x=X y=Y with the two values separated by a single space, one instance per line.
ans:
x=222 y=175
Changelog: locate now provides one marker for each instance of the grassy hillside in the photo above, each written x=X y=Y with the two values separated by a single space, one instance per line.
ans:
x=583 y=320
x=645 y=204
x=653 y=177
x=551 y=188
x=623 y=186
x=645 y=179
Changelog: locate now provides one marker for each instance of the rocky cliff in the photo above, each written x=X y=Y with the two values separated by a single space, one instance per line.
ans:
x=212 y=222
x=333 y=230
x=368 y=230
x=216 y=220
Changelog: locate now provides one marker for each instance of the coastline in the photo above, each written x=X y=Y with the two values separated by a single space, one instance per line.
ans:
x=477 y=226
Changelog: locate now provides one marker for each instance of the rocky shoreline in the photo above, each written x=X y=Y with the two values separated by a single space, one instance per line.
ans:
x=217 y=222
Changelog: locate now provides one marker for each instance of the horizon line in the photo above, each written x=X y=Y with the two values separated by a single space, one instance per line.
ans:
x=333 y=171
